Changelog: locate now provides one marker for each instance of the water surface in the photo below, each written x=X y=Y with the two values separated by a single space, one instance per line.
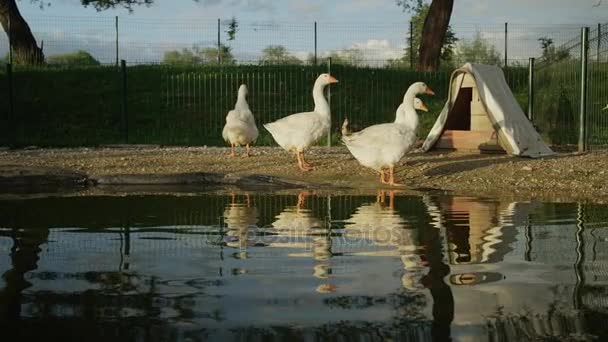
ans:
x=302 y=267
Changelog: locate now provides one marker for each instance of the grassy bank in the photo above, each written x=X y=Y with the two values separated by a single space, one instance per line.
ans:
x=187 y=105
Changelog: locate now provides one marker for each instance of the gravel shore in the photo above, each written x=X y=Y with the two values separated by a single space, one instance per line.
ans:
x=566 y=176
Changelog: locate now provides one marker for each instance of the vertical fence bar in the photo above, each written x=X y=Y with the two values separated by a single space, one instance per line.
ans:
x=219 y=43
x=531 y=89
x=116 y=31
x=10 y=41
x=11 y=105
x=599 y=41
x=411 y=45
x=582 y=137
x=329 y=102
x=125 y=113
x=506 y=43
x=316 y=42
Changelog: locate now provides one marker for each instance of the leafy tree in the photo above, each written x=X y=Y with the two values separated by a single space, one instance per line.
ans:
x=198 y=56
x=352 y=56
x=78 y=58
x=25 y=47
x=210 y=55
x=434 y=31
x=278 y=54
x=449 y=42
x=233 y=27
x=550 y=52
x=183 y=57
x=478 y=50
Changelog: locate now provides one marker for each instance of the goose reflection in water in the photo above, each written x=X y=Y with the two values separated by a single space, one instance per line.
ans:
x=297 y=227
x=241 y=219
x=382 y=225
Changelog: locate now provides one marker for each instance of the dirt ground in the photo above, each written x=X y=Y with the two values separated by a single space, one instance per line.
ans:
x=566 y=176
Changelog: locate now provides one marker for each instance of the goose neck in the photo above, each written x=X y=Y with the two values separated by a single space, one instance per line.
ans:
x=407 y=116
x=321 y=104
x=241 y=102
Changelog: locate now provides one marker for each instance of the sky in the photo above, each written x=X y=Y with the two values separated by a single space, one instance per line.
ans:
x=377 y=27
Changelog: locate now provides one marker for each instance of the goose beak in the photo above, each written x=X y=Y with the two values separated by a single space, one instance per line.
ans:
x=429 y=91
x=424 y=108
x=332 y=80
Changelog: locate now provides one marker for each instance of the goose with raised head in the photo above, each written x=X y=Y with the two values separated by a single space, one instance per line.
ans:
x=240 y=128
x=296 y=132
x=382 y=146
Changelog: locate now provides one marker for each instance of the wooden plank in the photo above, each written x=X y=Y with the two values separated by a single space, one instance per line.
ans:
x=469 y=140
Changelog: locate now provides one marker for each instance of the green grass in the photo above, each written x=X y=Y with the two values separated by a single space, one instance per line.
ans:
x=182 y=105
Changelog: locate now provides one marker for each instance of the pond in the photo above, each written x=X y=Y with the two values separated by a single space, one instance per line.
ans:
x=252 y=267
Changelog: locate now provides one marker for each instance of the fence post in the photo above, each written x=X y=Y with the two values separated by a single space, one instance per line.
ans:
x=125 y=113
x=219 y=43
x=506 y=43
x=12 y=127
x=10 y=41
x=599 y=41
x=329 y=102
x=316 y=43
x=411 y=44
x=582 y=137
x=531 y=89
x=116 y=31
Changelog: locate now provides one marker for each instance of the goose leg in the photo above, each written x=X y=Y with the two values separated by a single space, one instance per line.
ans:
x=391 y=199
x=381 y=197
x=232 y=154
x=307 y=164
x=248 y=154
x=301 y=162
x=392 y=177
x=383 y=177
x=302 y=199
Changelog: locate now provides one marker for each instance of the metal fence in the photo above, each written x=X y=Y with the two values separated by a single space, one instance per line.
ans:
x=181 y=77
x=145 y=41
x=570 y=90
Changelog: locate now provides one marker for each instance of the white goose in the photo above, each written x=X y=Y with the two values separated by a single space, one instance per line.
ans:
x=240 y=128
x=382 y=146
x=298 y=131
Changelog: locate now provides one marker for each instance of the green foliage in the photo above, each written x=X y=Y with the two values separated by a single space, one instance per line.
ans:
x=447 y=51
x=277 y=55
x=556 y=99
x=101 y=5
x=233 y=26
x=478 y=50
x=198 y=56
x=410 y=5
x=350 y=57
x=420 y=11
x=78 y=58
x=550 y=52
x=186 y=104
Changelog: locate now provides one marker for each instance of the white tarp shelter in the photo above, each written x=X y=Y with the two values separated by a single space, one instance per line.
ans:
x=482 y=113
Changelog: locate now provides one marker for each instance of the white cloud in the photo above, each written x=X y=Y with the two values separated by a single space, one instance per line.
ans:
x=378 y=49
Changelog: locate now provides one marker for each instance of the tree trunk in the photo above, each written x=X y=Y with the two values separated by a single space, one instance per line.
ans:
x=433 y=34
x=25 y=49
